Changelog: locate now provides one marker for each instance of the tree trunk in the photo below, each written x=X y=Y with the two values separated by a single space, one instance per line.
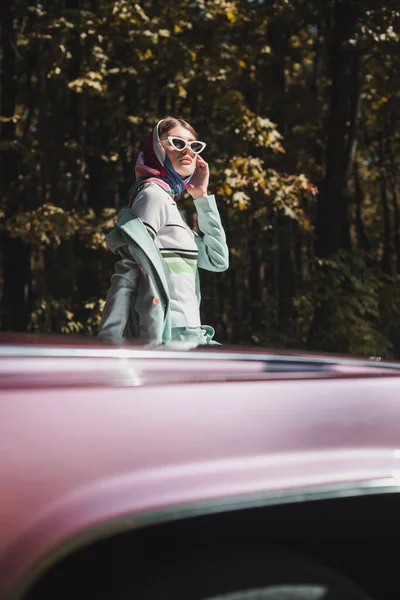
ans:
x=388 y=250
x=15 y=254
x=362 y=238
x=279 y=41
x=287 y=274
x=332 y=222
x=393 y=186
x=387 y=230
x=396 y=215
x=255 y=280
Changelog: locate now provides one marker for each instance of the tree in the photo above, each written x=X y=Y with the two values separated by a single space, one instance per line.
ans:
x=298 y=103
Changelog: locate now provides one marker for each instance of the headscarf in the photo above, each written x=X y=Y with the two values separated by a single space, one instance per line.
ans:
x=153 y=164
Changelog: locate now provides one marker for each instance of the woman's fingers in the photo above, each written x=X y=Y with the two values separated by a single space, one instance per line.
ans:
x=200 y=162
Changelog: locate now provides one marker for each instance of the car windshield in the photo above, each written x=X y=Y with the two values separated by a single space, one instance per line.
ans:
x=244 y=148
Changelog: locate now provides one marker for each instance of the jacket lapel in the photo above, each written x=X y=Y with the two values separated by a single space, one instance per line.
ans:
x=134 y=228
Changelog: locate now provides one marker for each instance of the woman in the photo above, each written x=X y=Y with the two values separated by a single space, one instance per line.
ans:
x=154 y=293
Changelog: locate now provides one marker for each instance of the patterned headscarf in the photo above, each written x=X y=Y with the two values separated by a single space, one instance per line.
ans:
x=154 y=165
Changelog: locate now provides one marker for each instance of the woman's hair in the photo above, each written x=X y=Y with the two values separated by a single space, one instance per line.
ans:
x=169 y=123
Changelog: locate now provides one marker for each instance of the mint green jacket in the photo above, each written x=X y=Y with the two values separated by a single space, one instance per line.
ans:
x=137 y=303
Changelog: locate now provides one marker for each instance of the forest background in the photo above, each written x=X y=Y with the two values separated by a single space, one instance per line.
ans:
x=299 y=103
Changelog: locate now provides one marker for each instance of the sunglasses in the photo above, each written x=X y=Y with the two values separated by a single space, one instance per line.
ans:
x=179 y=144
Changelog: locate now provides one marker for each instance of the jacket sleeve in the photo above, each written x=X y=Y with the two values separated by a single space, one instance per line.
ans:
x=213 y=251
x=120 y=297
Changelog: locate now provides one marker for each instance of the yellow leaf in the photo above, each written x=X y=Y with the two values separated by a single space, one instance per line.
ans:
x=228 y=190
x=182 y=92
x=230 y=16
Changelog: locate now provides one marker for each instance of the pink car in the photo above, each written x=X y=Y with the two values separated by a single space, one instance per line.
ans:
x=211 y=474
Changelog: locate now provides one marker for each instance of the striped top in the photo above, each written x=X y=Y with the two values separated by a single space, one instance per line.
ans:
x=159 y=213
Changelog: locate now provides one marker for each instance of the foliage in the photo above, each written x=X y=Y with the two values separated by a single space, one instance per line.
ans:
x=346 y=294
x=54 y=316
x=257 y=79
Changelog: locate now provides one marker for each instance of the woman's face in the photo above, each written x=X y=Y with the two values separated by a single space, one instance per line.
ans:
x=184 y=161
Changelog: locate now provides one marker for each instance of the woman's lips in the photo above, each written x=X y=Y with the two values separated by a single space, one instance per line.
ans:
x=186 y=161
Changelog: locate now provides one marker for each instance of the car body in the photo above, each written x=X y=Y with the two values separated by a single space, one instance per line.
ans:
x=99 y=440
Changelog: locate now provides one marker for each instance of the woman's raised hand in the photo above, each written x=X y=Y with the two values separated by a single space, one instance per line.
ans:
x=198 y=185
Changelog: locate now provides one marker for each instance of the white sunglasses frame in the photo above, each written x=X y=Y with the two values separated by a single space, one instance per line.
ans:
x=171 y=137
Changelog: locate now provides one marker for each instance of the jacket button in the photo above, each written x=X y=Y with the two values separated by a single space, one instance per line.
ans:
x=156 y=300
